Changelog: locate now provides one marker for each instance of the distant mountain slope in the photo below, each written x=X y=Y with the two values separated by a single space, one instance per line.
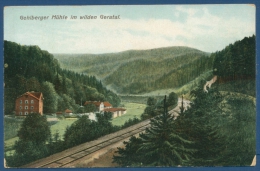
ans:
x=138 y=71
x=101 y=65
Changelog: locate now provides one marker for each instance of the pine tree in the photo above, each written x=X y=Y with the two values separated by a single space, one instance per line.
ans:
x=160 y=145
x=58 y=84
x=201 y=124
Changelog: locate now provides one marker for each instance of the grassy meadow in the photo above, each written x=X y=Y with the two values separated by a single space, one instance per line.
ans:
x=133 y=110
x=59 y=127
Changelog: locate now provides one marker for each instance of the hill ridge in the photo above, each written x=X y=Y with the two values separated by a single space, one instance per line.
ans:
x=125 y=69
x=131 y=50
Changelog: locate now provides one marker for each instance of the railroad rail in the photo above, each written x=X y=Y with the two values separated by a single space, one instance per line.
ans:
x=86 y=150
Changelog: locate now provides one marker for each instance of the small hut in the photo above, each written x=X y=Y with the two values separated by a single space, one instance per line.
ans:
x=68 y=112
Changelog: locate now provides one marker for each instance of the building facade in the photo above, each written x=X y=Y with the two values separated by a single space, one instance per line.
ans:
x=116 y=111
x=99 y=105
x=29 y=102
x=107 y=107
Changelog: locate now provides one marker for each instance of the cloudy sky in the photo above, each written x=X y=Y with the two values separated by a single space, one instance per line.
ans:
x=205 y=27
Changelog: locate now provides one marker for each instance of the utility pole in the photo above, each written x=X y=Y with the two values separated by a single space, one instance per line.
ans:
x=182 y=108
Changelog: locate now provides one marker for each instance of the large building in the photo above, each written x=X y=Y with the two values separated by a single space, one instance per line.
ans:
x=29 y=102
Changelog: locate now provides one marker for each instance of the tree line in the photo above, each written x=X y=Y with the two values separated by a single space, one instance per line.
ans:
x=28 y=68
x=236 y=61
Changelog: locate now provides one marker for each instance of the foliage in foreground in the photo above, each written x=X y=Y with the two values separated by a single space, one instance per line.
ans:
x=35 y=141
x=160 y=145
x=84 y=129
x=33 y=135
x=214 y=131
x=154 y=106
x=223 y=128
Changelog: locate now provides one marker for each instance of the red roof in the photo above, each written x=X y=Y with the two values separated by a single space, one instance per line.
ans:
x=36 y=95
x=107 y=104
x=97 y=104
x=114 y=109
x=68 y=111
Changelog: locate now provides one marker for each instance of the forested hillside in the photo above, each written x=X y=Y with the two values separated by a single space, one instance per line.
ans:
x=236 y=61
x=235 y=66
x=144 y=76
x=139 y=71
x=28 y=68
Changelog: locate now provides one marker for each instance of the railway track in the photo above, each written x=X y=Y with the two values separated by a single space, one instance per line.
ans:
x=87 y=150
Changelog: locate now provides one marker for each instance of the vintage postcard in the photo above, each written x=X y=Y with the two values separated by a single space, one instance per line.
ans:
x=129 y=86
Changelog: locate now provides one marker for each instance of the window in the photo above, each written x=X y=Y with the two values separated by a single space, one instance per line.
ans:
x=26 y=101
x=32 y=107
x=21 y=102
x=26 y=113
x=31 y=112
x=32 y=101
x=21 y=107
x=21 y=113
x=26 y=107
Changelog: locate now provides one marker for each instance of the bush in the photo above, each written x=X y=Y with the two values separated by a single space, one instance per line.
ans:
x=11 y=127
x=130 y=122
x=26 y=152
x=33 y=134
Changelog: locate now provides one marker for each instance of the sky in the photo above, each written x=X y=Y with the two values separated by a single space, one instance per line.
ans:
x=205 y=27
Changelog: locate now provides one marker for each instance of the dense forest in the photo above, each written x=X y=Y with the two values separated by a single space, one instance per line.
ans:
x=145 y=76
x=103 y=65
x=236 y=61
x=28 y=68
x=140 y=71
x=235 y=67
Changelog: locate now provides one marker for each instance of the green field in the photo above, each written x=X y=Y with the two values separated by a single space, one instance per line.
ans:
x=59 y=127
x=132 y=110
x=133 y=99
